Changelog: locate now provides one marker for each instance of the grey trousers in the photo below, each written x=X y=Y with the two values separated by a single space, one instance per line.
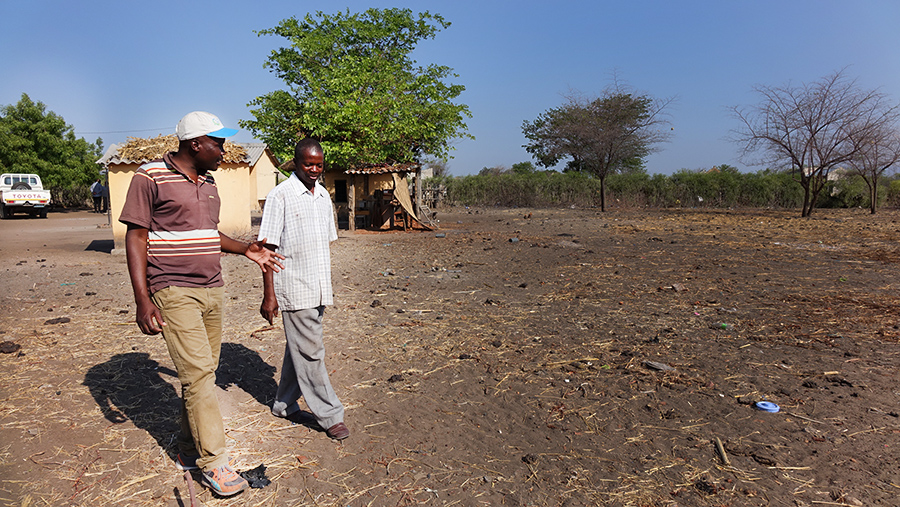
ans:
x=303 y=372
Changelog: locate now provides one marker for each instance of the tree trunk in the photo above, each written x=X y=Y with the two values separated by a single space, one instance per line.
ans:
x=804 y=212
x=813 y=198
x=814 y=185
x=873 y=198
x=602 y=193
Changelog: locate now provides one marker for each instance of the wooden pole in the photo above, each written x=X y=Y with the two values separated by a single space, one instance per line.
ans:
x=351 y=202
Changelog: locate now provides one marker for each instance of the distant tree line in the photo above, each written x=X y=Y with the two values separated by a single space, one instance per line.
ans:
x=723 y=186
x=352 y=83
x=828 y=135
x=34 y=140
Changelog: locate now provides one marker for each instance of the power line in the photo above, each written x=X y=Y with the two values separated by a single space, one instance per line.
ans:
x=125 y=131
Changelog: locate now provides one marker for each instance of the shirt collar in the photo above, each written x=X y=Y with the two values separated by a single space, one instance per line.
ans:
x=319 y=189
x=170 y=162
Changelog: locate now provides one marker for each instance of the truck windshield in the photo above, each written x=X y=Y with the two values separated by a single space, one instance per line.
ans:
x=15 y=179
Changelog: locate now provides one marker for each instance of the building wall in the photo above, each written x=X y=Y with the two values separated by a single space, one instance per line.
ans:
x=119 y=180
x=376 y=182
x=253 y=194
x=232 y=182
x=263 y=178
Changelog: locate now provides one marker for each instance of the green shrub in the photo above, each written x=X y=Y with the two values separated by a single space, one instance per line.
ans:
x=73 y=196
x=627 y=189
x=892 y=189
x=851 y=191
x=529 y=189
x=724 y=187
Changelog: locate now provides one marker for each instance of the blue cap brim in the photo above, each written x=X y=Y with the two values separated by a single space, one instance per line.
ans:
x=223 y=132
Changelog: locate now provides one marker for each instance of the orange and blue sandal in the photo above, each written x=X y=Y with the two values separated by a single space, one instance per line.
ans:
x=224 y=481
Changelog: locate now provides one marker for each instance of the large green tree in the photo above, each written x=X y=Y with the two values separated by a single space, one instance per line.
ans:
x=35 y=140
x=352 y=84
x=609 y=134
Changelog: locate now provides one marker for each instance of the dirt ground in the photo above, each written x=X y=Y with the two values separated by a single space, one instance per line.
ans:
x=523 y=357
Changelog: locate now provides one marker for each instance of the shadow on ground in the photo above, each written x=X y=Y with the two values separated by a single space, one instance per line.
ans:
x=131 y=387
x=101 y=245
x=245 y=369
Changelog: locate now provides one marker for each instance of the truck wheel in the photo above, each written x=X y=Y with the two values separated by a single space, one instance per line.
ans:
x=43 y=213
x=3 y=212
x=21 y=186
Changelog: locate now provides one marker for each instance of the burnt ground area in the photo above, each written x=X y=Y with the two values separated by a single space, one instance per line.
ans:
x=513 y=357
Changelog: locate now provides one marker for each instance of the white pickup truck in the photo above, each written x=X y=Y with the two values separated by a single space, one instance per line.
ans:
x=23 y=193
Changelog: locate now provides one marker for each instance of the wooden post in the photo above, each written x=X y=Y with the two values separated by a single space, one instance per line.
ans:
x=351 y=202
x=418 y=187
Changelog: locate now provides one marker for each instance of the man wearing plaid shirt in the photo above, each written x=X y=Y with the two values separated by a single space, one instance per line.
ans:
x=298 y=220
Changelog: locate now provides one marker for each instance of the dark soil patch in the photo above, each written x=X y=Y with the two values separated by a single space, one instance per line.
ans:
x=595 y=360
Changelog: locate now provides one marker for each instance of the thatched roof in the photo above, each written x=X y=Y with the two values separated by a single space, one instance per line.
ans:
x=138 y=150
x=384 y=168
x=366 y=169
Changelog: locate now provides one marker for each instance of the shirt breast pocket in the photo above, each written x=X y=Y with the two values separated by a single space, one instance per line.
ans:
x=214 y=206
x=309 y=221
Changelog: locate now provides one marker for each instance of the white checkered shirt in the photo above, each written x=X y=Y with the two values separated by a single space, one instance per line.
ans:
x=301 y=224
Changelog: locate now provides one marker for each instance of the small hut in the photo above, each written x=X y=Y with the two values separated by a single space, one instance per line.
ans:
x=383 y=198
x=247 y=173
x=375 y=196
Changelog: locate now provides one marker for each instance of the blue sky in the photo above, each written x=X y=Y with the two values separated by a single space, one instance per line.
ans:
x=119 y=69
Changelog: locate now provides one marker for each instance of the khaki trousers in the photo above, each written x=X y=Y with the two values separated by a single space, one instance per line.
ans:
x=193 y=334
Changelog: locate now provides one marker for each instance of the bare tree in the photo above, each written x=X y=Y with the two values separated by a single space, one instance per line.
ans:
x=878 y=151
x=438 y=167
x=614 y=132
x=812 y=128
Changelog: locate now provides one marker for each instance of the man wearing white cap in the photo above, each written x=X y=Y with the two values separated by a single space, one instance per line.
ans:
x=173 y=247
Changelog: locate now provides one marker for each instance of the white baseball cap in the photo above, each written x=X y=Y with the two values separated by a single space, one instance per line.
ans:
x=201 y=123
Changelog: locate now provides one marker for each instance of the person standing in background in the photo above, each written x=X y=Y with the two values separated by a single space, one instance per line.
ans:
x=97 y=195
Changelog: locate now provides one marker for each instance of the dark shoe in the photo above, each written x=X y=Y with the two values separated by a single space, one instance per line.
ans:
x=186 y=462
x=338 y=432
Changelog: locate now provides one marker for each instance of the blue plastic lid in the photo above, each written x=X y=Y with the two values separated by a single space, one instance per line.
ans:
x=767 y=406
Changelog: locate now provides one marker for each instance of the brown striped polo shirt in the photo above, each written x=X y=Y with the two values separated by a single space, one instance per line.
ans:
x=182 y=217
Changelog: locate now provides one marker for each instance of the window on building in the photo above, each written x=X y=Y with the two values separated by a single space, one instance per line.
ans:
x=340 y=191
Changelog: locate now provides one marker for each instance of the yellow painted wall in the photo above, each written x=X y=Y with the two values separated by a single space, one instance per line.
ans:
x=119 y=180
x=376 y=182
x=232 y=182
x=263 y=178
x=328 y=180
x=254 y=191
